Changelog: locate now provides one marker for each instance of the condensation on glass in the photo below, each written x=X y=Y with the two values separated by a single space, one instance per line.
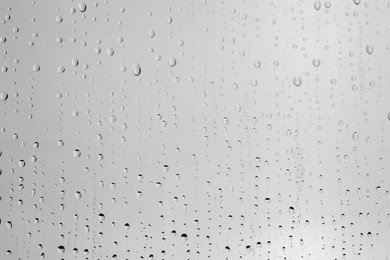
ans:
x=206 y=129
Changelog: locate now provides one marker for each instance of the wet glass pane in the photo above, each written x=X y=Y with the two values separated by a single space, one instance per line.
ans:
x=205 y=129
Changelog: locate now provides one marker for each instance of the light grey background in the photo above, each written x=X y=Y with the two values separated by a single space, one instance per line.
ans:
x=194 y=129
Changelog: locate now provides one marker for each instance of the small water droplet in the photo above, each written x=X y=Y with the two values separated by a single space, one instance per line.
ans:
x=172 y=61
x=136 y=69
x=36 y=68
x=61 y=69
x=317 y=5
x=82 y=7
x=76 y=153
x=355 y=136
x=369 y=49
x=297 y=81
x=61 y=249
x=3 y=96
x=110 y=51
x=316 y=62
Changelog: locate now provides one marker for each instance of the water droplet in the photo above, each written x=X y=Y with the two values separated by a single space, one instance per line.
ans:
x=3 y=96
x=356 y=2
x=78 y=195
x=82 y=7
x=101 y=217
x=110 y=51
x=76 y=153
x=355 y=136
x=36 y=68
x=369 y=49
x=22 y=163
x=317 y=5
x=112 y=119
x=136 y=69
x=61 y=69
x=172 y=61
x=61 y=249
x=297 y=81
x=316 y=62
x=75 y=62
x=151 y=33
x=184 y=237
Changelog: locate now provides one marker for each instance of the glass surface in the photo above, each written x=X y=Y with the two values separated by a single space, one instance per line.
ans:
x=194 y=129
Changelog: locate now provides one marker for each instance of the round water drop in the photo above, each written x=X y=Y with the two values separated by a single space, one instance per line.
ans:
x=184 y=236
x=151 y=33
x=59 y=19
x=136 y=69
x=327 y=4
x=225 y=120
x=369 y=49
x=172 y=62
x=101 y=217
x=36 y=68
x=257 y=64
x=317 y=5
x=22 y=163
x=82 y=7
x=253 y=82
x=78 y=195
x=61 y=249
x=388 y=116
x=297 y=81
x=112 y=119
x=356 y=2
x=110 y=51
x=75 y=62
x=76 y=153
x=316 y=62
x=3 y=96
x=127 y=226
x=355 y=136
x=61 y=69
